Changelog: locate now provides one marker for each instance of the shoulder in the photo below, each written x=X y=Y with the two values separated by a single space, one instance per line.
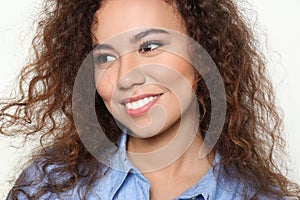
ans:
x=38 y=182
x=28 y=182
x=228 y=186
x=35 y=181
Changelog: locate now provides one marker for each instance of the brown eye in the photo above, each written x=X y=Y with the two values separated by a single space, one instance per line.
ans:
x=149 y=46
x=104 y=58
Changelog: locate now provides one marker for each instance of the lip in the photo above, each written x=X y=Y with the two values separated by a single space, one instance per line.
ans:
x=142 y=110
x=136 y=98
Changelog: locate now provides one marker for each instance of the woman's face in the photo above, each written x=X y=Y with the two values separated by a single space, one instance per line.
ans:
x=144 y=85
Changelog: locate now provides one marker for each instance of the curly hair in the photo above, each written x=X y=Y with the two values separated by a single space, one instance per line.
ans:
x=250 y=144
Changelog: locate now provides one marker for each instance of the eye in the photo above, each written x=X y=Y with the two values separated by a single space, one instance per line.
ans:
x=104 y=58
x=150 y=46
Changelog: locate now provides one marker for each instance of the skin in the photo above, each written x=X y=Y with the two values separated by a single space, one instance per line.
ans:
x=129 y=71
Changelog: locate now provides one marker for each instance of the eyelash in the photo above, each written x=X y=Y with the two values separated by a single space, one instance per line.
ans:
x=99 y=58
x=145 y=48
x=145 y=45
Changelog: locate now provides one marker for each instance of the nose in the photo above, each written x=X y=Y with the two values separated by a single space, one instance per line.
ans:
x=130 y=74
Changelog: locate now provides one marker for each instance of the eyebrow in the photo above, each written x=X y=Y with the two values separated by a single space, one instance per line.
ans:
x=134 y=39
x=103 y=46
x=143 y=34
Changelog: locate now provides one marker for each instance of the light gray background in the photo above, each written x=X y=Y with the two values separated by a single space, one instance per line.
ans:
x=280 y=38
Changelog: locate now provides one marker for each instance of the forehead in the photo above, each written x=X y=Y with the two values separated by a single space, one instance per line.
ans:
x=117 y=16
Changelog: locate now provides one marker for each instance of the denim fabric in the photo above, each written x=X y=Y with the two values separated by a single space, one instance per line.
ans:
x=122 y=181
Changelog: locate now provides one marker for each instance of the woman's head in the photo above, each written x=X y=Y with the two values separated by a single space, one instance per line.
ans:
x=216 y=26
x=66 y=35
x=136 y=65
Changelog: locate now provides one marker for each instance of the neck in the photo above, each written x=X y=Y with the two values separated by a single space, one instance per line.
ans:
x=171 y=181
x=188 y=164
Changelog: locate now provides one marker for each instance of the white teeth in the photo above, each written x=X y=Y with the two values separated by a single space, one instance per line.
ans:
x=134 y=105
x=146 y=100
x=140 y=103
x=129 y=105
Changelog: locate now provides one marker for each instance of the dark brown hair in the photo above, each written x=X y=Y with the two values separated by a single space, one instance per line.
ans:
x=250 y=144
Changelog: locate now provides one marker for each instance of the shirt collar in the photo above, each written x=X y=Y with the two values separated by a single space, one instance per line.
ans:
x=115 y=157
x=120 y=166
x=115 y=166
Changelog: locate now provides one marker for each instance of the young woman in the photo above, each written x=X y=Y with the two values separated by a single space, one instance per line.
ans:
x=175 y=128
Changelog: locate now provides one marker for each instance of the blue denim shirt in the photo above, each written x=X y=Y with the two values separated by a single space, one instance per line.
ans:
x=130 y=184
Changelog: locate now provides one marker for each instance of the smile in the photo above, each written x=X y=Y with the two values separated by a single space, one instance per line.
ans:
x=140 y=105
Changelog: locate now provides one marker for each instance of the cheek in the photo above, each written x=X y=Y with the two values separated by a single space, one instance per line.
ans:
x=105 y=86
x=185 y=69
x=182 y=69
